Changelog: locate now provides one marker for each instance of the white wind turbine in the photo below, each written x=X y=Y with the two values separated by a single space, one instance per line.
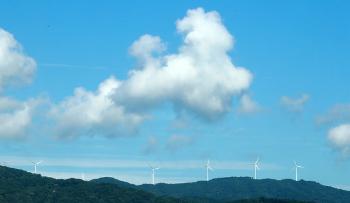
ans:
x=153 y=173
x=83 y=176
x=256 y=167
x=36 y=164
x=296 y=170
x=208 y=167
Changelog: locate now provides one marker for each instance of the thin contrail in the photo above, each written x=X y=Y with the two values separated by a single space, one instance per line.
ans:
x=74 y=66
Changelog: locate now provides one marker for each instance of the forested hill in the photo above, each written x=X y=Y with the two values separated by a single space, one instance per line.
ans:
x=20 y=186
x=237 y=188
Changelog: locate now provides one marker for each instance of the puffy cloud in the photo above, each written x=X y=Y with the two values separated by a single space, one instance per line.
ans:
x=247 y=105
x=340 y=137
x=200 y=78
x=15 y=67
x=176 y=142
x=93 y=113
x=145 y=47
x=339 y=112
x=15 y=117
x=295 y=104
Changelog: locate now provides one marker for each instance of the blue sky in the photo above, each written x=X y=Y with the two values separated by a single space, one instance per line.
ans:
x=296 y=107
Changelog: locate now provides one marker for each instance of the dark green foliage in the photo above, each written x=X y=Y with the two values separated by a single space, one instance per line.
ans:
x=114 y=181
x=238 y=188
x=20 y=186
x=265 y=200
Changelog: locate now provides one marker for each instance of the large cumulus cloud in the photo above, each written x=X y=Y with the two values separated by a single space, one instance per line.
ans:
x=16 y=116
x=16 y=69
x=93 y=113
x=200 y=78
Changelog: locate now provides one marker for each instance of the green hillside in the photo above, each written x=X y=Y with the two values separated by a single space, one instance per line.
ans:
x=20 y=186
x=239 y=188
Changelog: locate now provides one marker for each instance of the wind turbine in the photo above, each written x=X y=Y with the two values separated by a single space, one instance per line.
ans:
x=208 y=167
x=153 y=173
x=256 y=167
x=36 y=164
x=296 y=170
x=83 y=176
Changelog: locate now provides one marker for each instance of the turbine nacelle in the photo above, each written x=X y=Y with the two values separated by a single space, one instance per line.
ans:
x=36 y=164
x=296 y=170
x=297 y=166
x=153 y=173
x=208 y=166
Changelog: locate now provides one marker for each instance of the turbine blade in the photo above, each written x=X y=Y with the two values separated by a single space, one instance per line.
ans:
x=257 y=160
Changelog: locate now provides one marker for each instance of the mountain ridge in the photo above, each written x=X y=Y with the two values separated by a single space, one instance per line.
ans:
x=237 y=188
x=21 y=186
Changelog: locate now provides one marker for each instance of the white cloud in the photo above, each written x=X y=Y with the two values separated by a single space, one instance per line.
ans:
x=339 y=112
x=247 y=105
x=295 y=104
x=15 y=117
x=145 y=47
x=93 y=113
x=176 y=142
x=340 y=138
x=16 y=68
x=200 y=78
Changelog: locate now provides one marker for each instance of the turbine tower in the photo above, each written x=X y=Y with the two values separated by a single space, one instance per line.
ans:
x=256 y=167
x=296 y=170
x=208 y=167
x=153 y=173
x=83 y=176
x=36 y=164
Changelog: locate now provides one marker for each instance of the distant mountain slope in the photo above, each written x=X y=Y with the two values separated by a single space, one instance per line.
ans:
x=20 y=186
x=114 y=181
x=238 y=188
